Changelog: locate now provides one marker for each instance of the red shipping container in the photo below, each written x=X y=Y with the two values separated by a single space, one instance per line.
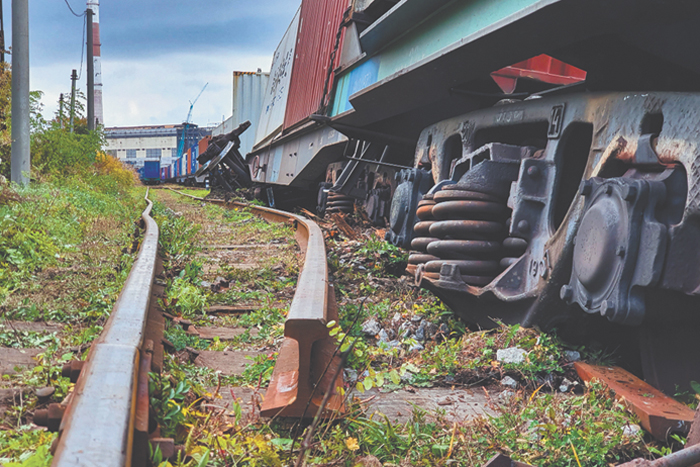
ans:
x=319 y=23
x=189 y=161
x=203 y=145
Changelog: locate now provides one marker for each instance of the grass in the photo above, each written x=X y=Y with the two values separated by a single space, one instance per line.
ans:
x=61 y=260
x=534 y=423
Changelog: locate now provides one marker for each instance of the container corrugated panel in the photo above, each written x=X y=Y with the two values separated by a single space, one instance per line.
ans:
x=318 y=26
x=203 y=144
x=193 y=160
x=275 y=100
x=248 y=96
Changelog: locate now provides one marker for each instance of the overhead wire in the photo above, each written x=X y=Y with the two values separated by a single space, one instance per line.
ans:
x=83 y=38
x=82 y=44
x=71 y=10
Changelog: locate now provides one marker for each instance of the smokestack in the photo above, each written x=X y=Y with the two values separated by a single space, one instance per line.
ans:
x=94 y=5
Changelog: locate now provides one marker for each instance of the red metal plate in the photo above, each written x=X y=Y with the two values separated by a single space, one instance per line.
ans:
x=660 y=415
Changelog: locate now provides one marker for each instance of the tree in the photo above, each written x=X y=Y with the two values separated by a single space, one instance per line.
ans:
x=5 y=119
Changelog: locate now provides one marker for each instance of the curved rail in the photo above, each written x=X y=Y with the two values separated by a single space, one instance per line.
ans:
x=97 y=428
x=307 y=351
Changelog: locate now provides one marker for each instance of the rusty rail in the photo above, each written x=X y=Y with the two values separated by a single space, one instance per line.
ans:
x=97 y=428
x=684 y=458
x=296 y=389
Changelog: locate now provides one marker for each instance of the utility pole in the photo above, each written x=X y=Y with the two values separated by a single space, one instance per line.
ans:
x=19 y=163
x=90 y=74
x=2 y=37
x=73 y=78
x=60 y=111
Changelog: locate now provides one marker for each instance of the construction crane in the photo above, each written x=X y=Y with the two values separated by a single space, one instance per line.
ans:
x=181 y=146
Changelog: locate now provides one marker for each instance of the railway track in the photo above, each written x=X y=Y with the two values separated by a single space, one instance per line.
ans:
x=106 y=420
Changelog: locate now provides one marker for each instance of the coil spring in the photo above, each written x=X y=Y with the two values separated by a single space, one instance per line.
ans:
x=338 y=202
x=465 y=228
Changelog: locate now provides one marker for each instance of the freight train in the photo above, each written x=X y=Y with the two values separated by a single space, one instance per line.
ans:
x=539 y=158
x=184 y=168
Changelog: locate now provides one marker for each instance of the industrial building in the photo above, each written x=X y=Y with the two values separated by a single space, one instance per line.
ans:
x=136 y=144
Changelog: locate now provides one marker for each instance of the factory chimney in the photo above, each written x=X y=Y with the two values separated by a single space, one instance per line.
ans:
x=94 y=5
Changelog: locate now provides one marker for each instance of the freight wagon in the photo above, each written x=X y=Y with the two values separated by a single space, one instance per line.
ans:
x=150 y=173
x=539 y=158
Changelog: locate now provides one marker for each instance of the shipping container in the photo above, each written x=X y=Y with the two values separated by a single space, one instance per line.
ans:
x=248 y=95
x=193 y=160
x=275 y=99
x=320 y=34
x=151 y=171
x=203 y=144
x=188 y=161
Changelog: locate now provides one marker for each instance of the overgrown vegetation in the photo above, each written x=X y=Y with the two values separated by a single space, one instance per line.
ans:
x=64 y=256
x=419 y=344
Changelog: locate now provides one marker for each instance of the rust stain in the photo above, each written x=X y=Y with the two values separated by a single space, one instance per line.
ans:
x=659 y=414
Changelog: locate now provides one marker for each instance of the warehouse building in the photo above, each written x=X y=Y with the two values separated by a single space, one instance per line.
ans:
x=136 y=144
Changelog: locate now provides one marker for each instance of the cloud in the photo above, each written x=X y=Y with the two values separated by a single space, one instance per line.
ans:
x=136 y=28
x=159 y=90
x=156 y=54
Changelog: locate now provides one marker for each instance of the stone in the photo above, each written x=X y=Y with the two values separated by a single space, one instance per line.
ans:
x=405 y=330
x=420 y=333
x=383 y=336
x=430 y=330
x=511 y=355
x=631 y=430
x=572 y=355
x=371 y=327
x=565 y=385
x=350 y=375
x=509 y=382
x=43 y=394
x=396 y=318
x=417 y=346
x=416 y=319
x=506 y=395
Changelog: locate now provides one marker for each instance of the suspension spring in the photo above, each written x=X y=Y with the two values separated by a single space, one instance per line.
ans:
x=464 y=228
x=338 y=202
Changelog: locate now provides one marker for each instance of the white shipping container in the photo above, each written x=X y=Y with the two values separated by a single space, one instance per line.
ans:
x=275 y=100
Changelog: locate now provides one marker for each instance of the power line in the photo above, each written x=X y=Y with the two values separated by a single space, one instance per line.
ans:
x=71 y=9
x=82 y=44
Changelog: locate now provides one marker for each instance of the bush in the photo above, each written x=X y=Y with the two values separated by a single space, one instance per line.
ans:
x=56 y=151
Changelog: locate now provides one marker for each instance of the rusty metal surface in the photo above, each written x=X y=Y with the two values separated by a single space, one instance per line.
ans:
x=694 y=434
x=316 y=38
x=307 y=348
x=659 y=414
x=683 y=458
x=141 y=424
x=97 y=428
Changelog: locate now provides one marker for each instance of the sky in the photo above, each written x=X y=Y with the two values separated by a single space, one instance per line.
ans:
x=157 y=55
